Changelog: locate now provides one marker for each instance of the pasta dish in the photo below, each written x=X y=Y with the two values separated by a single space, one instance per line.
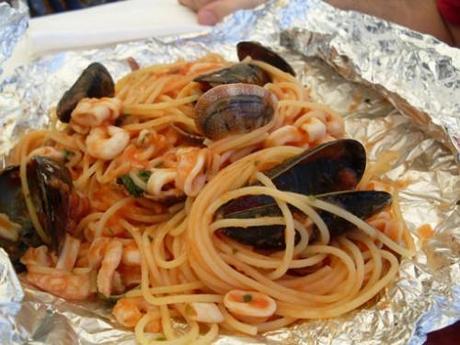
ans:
x=210 y=193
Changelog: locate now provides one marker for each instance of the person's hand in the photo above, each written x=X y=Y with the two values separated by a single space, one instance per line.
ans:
x=210 y=12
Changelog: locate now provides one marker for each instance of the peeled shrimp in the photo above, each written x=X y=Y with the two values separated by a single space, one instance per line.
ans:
x=128 y=311
x=63 y=284
x=106 y=142
x=131 y=254
x=110 y=262
x=68 y=285
x=93 y=112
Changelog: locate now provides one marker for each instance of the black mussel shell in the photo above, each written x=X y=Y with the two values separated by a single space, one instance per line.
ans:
x=362 y=204
x=12 y=204
x=50 y=187
x=94 y=82
x=237 y=73
x=331 y=167
x=260 y=237
x=258 y=52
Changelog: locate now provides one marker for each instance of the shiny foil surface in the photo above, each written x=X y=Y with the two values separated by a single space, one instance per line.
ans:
x=13 y=24
x=401 y=92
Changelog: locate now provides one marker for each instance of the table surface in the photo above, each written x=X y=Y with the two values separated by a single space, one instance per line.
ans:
x=125 y=21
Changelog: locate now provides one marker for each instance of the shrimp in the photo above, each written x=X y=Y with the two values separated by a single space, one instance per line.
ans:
x=334 y=123
x=131 y=254
x=128 y=311
x=106 y=142
x=284 y=135
x=96 y=251
x=93 y=112
x=67 y=285
x=314 y=128
x=110 y=262
x=37 y=257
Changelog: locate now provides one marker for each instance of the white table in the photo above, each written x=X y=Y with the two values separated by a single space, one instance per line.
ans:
x=102 y=25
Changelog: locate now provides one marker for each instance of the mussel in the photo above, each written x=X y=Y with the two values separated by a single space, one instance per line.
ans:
x=238 y=73
x=362 y=204
x=94 y=82
x=258 y=52
x=246 y=73
x=50 y=188
x=330 y=172
x=333 y=166
x=233 y=109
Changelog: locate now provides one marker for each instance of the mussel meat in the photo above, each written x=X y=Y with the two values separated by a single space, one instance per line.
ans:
x=362 y=204
x=50 y=188
x=331 y=167
x=233 y=109
x=237 y=73
x=94 y=82
x=258 y=52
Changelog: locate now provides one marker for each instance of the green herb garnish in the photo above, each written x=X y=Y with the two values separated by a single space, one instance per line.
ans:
x=130 y=186
x=144 y=175
x=247 y=298
x=68 y=154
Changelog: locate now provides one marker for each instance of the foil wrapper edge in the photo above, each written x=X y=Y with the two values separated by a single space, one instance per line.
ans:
x=426 y=295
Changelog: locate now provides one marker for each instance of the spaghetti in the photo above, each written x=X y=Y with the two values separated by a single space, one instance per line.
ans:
x=147 y=223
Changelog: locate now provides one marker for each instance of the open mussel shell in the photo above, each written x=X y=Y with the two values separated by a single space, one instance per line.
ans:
x=94 y=82
x=50 y=187
x=237 y=73
x=362 y=204
x=233 y=109
x=13 y=206
x=331 y=167
x=258 y=52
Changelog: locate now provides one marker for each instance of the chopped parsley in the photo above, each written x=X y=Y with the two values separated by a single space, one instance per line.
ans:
x=144 y=175
x=130 y=186
x=161 y=338
x=247 y=298
x=67 y=154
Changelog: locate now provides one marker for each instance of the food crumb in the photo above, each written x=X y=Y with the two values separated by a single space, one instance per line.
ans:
x=425 y=231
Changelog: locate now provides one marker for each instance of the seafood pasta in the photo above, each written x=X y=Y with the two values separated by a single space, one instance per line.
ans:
x=211 y=193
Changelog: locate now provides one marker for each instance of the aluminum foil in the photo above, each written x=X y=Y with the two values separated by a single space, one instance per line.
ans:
x=13 y=24
x=401 y=93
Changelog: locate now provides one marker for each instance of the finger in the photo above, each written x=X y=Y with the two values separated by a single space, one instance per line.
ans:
x=215 y=11
x=195 y=4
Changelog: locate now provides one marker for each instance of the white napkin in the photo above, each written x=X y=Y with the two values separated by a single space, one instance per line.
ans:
x=105 y=24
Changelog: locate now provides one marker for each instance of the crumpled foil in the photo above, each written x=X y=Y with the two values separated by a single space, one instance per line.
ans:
x=401 y=93
x=13 y=24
